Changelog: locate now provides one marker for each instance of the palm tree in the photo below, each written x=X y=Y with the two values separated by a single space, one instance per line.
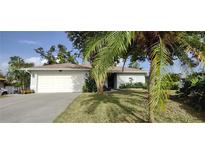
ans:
x=160 y=48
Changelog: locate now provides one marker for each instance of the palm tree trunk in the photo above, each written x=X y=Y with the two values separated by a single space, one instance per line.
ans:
x=151 y=110
x=99 y=88
x=100 y=92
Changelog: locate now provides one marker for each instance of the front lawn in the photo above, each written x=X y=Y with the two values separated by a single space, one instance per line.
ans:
x=2 y=96
x=124 y=106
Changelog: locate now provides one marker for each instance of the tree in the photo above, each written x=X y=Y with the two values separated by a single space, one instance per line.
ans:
x=80 y=39
x=134 y=64
x=160 y=48
x=63 y=55
x=48 y=55
x=18 y=77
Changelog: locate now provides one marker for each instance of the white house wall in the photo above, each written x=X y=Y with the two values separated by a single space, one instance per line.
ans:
x=33 y=81
x=71 y=81
x=125 y=78
x=57 y=81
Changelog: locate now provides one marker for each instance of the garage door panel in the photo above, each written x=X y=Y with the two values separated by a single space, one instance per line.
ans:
x=60 y=83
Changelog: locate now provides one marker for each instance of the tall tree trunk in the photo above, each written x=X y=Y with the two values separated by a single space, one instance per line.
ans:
x=100 y=92
x=151 y=82
x=99 y=88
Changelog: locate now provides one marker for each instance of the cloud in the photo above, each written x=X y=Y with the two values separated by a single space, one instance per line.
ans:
x=28 y=42
x=36 y=60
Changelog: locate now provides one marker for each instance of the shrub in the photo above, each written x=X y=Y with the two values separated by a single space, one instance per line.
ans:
x=89 y=85
x=171 y=81
x=185 y=90
x=172 y=86
x=197 y=93
x=193 y=90
x=132 y=85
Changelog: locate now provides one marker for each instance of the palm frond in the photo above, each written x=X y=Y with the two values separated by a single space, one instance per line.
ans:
x=116 y=45
x=189 y=45
x=160 y=58
x=94 y=44
x=108 y=48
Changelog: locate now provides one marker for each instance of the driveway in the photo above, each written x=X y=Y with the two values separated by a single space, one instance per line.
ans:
x=34 y=108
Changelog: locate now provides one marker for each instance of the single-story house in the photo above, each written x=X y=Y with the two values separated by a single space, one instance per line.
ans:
x=71 y=77
x=2 y=82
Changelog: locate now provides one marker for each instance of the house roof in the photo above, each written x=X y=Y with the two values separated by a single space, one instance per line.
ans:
x=69 y=66
x=2 y=79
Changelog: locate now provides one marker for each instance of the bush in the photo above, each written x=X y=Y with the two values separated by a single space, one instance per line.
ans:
x=171 y=81
x=89 y=85
x=185 y=90
x=193 y=90
x=172 y=86
x=132 y=85
x=197 y=93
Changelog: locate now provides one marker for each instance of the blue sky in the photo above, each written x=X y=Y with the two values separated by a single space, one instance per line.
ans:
x=23 y=44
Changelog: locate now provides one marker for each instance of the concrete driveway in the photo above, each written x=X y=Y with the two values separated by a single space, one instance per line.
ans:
x=34 y=108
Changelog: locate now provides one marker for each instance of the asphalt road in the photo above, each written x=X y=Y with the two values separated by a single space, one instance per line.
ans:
x=34 y=108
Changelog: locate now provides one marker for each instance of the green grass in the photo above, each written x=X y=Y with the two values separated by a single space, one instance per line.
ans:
x=2 y=96
x=124 y=106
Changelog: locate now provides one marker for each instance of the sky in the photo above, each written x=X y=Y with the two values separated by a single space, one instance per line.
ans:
x=23 y=44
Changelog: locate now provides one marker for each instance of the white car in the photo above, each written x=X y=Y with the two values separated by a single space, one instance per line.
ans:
x=3 y=91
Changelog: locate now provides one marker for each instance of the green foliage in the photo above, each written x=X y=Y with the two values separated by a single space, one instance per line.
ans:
x=158 y=80
x=132 y=85
x=17 y=77
x=173 y=86
x=89 y=85
x=63 y=55
x=134 y=64
x=172 y=81
x=174 y=77
x=80 y=38
x=198 y=95
x=48 y=55
x=193 y=88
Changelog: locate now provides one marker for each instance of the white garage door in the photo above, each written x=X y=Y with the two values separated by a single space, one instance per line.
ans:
x=67 y=82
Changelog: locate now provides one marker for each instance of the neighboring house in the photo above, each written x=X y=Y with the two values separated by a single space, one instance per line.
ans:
x=71 y=77
x=2 y=82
